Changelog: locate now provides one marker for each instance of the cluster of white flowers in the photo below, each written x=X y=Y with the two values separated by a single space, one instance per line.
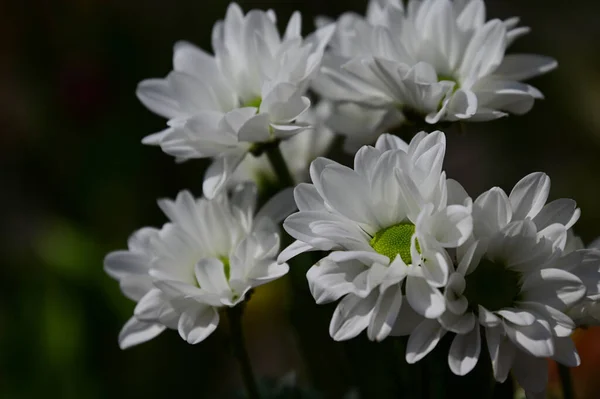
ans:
x=412 y=254
x=409 y=253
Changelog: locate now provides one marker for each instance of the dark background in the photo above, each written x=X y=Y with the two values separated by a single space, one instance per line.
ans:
x=76 y=181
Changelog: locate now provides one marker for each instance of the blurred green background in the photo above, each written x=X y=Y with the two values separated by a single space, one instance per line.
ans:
x=76 y=181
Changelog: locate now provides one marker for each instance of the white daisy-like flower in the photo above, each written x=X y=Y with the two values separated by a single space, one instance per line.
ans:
x=438 y=59
x=208 y=257
x=250 y=92
x=386 y=221
x=360 y=123
x=298 y=152
x=512 y=281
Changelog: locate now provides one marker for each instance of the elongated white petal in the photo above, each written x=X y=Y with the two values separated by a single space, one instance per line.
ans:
x=524 y=66
x=351 y=316
x=136 y=332
x=423 y=298
x=195 y=324
x=385 y=314
x=464 y=352
x=423 y=340
x=535 y=339
x=219 y=172
x=329 y=281
x=529 y=195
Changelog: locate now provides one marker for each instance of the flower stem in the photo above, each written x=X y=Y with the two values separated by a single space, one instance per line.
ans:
x=279 y=166
x=241 y=353
x=565 y=380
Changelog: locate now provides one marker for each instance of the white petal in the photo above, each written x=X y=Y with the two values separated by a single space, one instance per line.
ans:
x=278 y=207
x=487 y=318
x=491 y=212
x=329 y=281
x=385 y=313
x=553 y=287
x=197 y=323
x=459 y=324
x=565 y=352
x=255 y=129
x=119 y=264
x=158 y=97
x=244 y=197
x=464 y=352
x=336 y=181
x=423 y=339
x=535 y=339
x=266 y=272
x=529 y=195
x=210 y=274
x=485 y=50
x=351 y=316
x=502 y=352
x=293 y=27
x=406 y=321
x=562 y=325
x=148 y=307
x=457 y=195
x=387 y=142
x=294 y=249
x=135 y=332
x=219 y=172
x=563 y=211
x=524 y=66
x=517 y=316
x=307 y=198
x=423 y=298
x=436 y=267
x=452 y=226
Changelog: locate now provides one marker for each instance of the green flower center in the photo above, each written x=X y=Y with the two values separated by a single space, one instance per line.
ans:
x=226 y=266
x=492 y=286
x=395 y=240
x=255 y=102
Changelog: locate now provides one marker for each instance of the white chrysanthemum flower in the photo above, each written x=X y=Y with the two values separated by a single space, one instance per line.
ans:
x=250 y=92
x=512 y=281
x=298 y=152
x=360 y=123
x=386 y=222
x=436 y=58
x=209 y=256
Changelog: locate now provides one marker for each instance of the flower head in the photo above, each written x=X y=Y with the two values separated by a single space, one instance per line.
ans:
x=386 y=221
x=209 y=256
x=439 y=59
x=251 y=91
x=299 y=151
x=514 y=281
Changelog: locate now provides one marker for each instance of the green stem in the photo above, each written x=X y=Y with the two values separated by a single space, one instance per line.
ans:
x=241 y=353
x=565 y=380
x=279 y=166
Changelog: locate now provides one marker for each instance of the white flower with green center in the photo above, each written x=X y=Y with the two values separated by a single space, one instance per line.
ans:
x=387 y=222
x=298 y=151
x=438 y=59
x=249 y=93
x=208 y=257
x=512 y=280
